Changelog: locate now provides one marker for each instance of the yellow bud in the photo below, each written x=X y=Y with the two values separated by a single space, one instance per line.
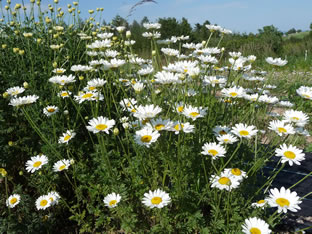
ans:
x=115 y=38
x=3 y=172
x=14 y=13
x=81 y=77
x=39 y=40
x=25 y=84
x=59 y=9
x=54 y=64
x=86 y=117
x=75 y=3
x=78 y=11
x=5 y=95
x=16 y=32
x=10 y=143
x=21 y=173
x=4 y=46
x=70 y=10
x=38 y=2
x=17 y=6
x=40 y=172
x=8 y=1
x=91 y=11
x=97 y=9
x=93 y=33
x=55 y=36
x=56 y=1
x=12 y=23
x=69 y=6
x=21 y=52
x=153 y=52
x=102 y=9
x=7 y=7
x=128 y=34
x=116 y=131
x=72 y=161
x=15 y=50
x=32 y=1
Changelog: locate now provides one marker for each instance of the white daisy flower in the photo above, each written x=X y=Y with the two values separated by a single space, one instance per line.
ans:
x=100 y=124
x=59 y=71
x=281 y=128
x=146 y=136
x=255 y=226
x=243 y=131
x=285 y=104
x=54 y=197
x=236 y=173
x=50 y=110
x=61 y=165
x=147 y=112
x=214 y=80
x=43 y=202
x=95 y=84
x=152 y=26
x=128 y=103
x=64 y=94
x=194 y=112
x=146 y=70
x=138 y=87
x=290 y=154
x=227 y=139
x=259 y=204
x=284 y=200
x=305 y=92
x=88 y=96
x=62 y=80
x=14 y=91
x=179 y=107
x=165 y=77
x=297 y=117
x=66 y=137
x=233 y=92
x=13 y=200
x=221 y=130
x=276 y=61
x=35 y=163
x=224 y=181
x=213 y=149
x=160 y=124
x=185 y=127
x=156 y=199
x=111 y=200
x=81 y=68
x=20 y=101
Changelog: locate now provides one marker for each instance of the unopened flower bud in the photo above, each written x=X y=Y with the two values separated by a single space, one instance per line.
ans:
x=116 y=131
x=25 y=84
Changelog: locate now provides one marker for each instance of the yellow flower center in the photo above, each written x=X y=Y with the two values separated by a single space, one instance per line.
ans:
x=213 y=152
x=194 y=114
x=244 y=133
x=158 y=127
x=306 y=96
x=91 y=88
x=295 y=118
x=13 y=200
x=133 y=110
x=50 y=110
x=290 y=155
x=233 y=94
x=236 y=171
x=226 y=140
x=37 y=164
x=261 y=201
x=87 y=95
x=280 y=129
x=185 y=70
x=282 y=202
x=156 y=200
x=61 y=168
x=101 y=127
x=146 y=138
x=225 y=181
x=112 y=202
x=177 y=127
x=180 y=108
x=64 y=94
x=67 y=137
x=43 y=203
x=59 y=71
x=255 y=231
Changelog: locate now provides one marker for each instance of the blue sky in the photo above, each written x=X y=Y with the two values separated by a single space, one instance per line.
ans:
x=237 y=15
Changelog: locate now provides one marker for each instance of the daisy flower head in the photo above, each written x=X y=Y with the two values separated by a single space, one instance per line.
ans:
x=156 y=199
x=54 y=197
x=62 y=80
x=276 y=61
x=177 y=127
x=227 y=139
x=243 y=131
x=194 y=112
x=66 y=137
x=50 y=110
x=221 y=130
x=20 y=101
x=138 y=87
x=14 y=91
x=214 y=80
x=100 y=124
x=35 y=163
x=179 y=107
x=305 y=92
x=281 y=128
x=43 y=202
x=224 y=181
x=95 y=84
x=13 y=200
x=147 y=112
x=290 y=154
x=111 y=200
x=88 y=96
x=64 y=94
x=284 y=200
x=259 y=204
x=297 y=117
x=128 y=103
x=214 y=150
x=160 y=124
x=255 y=226
x=58 y=71
x=61 y=165
x=146 y=136
x=236 y=173
x=233 y=92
